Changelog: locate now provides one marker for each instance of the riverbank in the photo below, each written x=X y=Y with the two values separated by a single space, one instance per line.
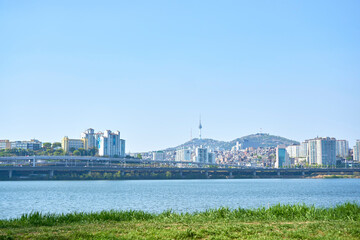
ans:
x=334 y=176
x=280 y=221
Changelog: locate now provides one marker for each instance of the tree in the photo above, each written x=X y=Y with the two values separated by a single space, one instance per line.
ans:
x=59 y=152
x=76 y=153
x=92 y=151
x=139 y=156
x=82 y=151
x=108 y=175
x=168 y=174
x=56 y=144
x=117 y=175
x=46 y=145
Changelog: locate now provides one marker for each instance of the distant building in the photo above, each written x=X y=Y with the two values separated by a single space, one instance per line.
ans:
x=5 y=144
x=293 y=151
x=158 y=156
x=237 y=147
x=18 y=145
x=109 y=144
x=356 y=156
x=211 y=157
x=303 y=149
x=89 y=135
x=282 y=157
x=122 y=148
x=322 y=151
x=183 y=155
x=33 y=144
x=201 y=155
x=68 y=144
x=342 y=148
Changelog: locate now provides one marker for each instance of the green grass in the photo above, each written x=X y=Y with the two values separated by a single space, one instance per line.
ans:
x=279 y=221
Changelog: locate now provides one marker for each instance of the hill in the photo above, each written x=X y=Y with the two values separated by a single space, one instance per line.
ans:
x=262 y=140
x=253 y=140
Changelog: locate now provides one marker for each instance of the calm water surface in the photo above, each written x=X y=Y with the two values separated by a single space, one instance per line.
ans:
x=20 y=197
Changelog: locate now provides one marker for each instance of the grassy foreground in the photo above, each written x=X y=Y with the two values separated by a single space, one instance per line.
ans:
x=276 y=222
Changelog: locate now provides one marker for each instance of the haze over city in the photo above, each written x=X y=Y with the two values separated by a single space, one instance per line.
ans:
x=150 y=68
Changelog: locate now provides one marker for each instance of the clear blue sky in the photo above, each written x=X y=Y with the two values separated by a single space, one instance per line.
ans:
x=149 y=68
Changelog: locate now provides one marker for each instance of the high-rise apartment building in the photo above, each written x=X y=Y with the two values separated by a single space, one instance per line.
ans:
x=293 y=151
x=282 y=157
x=356 y=156
x=183 y=155
x=109 y=144
x=89 y=135
x=322 y=151
x=122 y=148
x=201 y=155
x=342 y=148
x=211 y=157
x=303 y=149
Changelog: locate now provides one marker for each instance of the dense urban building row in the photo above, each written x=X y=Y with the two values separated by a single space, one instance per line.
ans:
x=320 y=151
x=199 y=155
x=33 y=144
x=106 y=143
x=317 y=152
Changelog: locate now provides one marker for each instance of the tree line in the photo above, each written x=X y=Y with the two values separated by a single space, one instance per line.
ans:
x=48 y=149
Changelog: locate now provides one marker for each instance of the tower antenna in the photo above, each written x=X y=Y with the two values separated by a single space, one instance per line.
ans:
x=200 y=127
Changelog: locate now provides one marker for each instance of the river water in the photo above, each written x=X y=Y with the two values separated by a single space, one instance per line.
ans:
x=18 y=197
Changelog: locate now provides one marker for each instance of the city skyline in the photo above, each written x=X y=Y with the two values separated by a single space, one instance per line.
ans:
x=150 y=68
x=342 y=145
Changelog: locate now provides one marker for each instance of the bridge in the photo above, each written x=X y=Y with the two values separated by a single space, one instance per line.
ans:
x=51 y=165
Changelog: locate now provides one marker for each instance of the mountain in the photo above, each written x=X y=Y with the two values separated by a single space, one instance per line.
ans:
x=253 y=140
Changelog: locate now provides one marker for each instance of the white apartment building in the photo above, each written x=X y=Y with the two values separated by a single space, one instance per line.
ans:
x=183 y=155
x=293 y=151
x=109 y=143
x=342 y=148
x=303 y=149
x=322 y=151
x=201 y=155
x=356 y=156
x=89 y=135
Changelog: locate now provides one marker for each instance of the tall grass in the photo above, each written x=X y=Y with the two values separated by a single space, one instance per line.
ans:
x=347 y=211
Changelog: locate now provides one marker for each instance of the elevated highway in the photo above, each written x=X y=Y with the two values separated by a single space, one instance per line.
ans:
x=51 y=165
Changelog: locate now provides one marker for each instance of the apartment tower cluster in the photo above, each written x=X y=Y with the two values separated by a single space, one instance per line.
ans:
x=320 y=151
x=108 y=143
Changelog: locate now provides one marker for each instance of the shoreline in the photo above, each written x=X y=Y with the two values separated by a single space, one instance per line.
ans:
x=322 y=176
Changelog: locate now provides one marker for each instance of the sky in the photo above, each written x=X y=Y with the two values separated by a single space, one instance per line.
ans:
x=150 y=68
